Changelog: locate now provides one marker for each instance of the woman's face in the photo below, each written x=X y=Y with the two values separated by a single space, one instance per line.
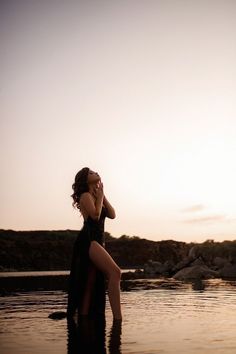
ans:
x=93 y=177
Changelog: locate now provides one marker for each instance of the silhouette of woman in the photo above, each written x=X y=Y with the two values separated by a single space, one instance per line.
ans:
x=91 y=263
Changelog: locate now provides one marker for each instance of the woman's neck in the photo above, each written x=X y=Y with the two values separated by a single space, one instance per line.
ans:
x=92 y=191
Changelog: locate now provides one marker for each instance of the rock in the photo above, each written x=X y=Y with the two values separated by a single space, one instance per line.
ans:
x=155 y=267
x=220 y=262
x=186 y=262
x=193 y=252
x=180 y=265
x=198 y=261
x=228 y=271
x=198 y=284
x=131 y=275
x=196 y=272
x=58 y=315
x=169 y=265
x=138 y=272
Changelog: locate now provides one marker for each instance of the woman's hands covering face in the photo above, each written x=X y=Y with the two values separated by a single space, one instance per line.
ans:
x=99 y=189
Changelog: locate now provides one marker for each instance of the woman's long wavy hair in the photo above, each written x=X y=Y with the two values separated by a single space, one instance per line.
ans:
x=80 y=186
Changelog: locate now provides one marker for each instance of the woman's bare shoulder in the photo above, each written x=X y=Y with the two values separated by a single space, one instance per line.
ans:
x=86 y=197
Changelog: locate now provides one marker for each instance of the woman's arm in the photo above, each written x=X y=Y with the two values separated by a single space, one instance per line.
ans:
x=94 y=210
x=109 y=209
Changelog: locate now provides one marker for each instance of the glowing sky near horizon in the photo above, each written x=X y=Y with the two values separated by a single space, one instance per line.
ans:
x=143 y=92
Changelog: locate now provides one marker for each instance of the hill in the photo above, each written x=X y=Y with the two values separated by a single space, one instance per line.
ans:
x=52 y=250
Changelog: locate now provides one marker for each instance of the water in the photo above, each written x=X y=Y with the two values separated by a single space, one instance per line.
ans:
x=43 y=273
x=159 y=316
x=34 y=273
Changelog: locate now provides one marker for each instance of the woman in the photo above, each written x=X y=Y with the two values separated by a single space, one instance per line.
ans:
x=90 y=261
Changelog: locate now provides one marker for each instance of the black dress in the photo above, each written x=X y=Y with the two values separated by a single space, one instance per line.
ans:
x=80 y=266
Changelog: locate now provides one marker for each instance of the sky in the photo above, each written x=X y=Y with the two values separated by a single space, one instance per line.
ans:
x=143 y=92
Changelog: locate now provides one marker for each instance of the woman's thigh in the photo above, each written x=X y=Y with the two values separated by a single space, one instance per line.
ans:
x=102 y=260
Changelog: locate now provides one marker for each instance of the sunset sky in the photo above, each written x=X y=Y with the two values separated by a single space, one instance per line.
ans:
x=143 y=92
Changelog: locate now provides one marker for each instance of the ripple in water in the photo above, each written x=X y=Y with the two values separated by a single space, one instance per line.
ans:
x=188 y=318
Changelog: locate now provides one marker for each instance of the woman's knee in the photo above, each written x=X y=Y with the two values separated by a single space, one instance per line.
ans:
x=115 y=273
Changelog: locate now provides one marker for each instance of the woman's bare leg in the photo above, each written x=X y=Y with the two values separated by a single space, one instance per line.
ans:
x=103 y=261
x=88 y=290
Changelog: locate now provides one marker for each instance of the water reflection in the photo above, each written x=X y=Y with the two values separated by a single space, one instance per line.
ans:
x=115 y=338
x=198 y=284
x=199 y=317
x=88 y=336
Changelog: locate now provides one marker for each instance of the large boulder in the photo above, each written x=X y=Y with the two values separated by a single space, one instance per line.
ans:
x=194 y=252
x=220 y=262
x=196 y=272
x=187 y=262
x=198 y=261
x=157 y=268
x=182 y=264
x=228 y=271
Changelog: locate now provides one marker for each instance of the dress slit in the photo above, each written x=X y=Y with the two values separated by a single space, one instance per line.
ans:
x=81 y=268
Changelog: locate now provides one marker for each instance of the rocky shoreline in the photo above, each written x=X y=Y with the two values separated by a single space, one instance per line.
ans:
x=194 y=266
x=52 y=251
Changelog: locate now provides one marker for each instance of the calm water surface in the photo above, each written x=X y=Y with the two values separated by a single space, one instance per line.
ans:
x=169 y=317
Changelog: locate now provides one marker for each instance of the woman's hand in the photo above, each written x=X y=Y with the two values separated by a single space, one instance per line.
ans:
x=99 y=191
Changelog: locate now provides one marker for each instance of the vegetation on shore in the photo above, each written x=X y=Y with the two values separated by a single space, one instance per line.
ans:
x=52 y=250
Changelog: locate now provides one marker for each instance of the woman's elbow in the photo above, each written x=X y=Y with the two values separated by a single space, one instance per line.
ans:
x=112 y=215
